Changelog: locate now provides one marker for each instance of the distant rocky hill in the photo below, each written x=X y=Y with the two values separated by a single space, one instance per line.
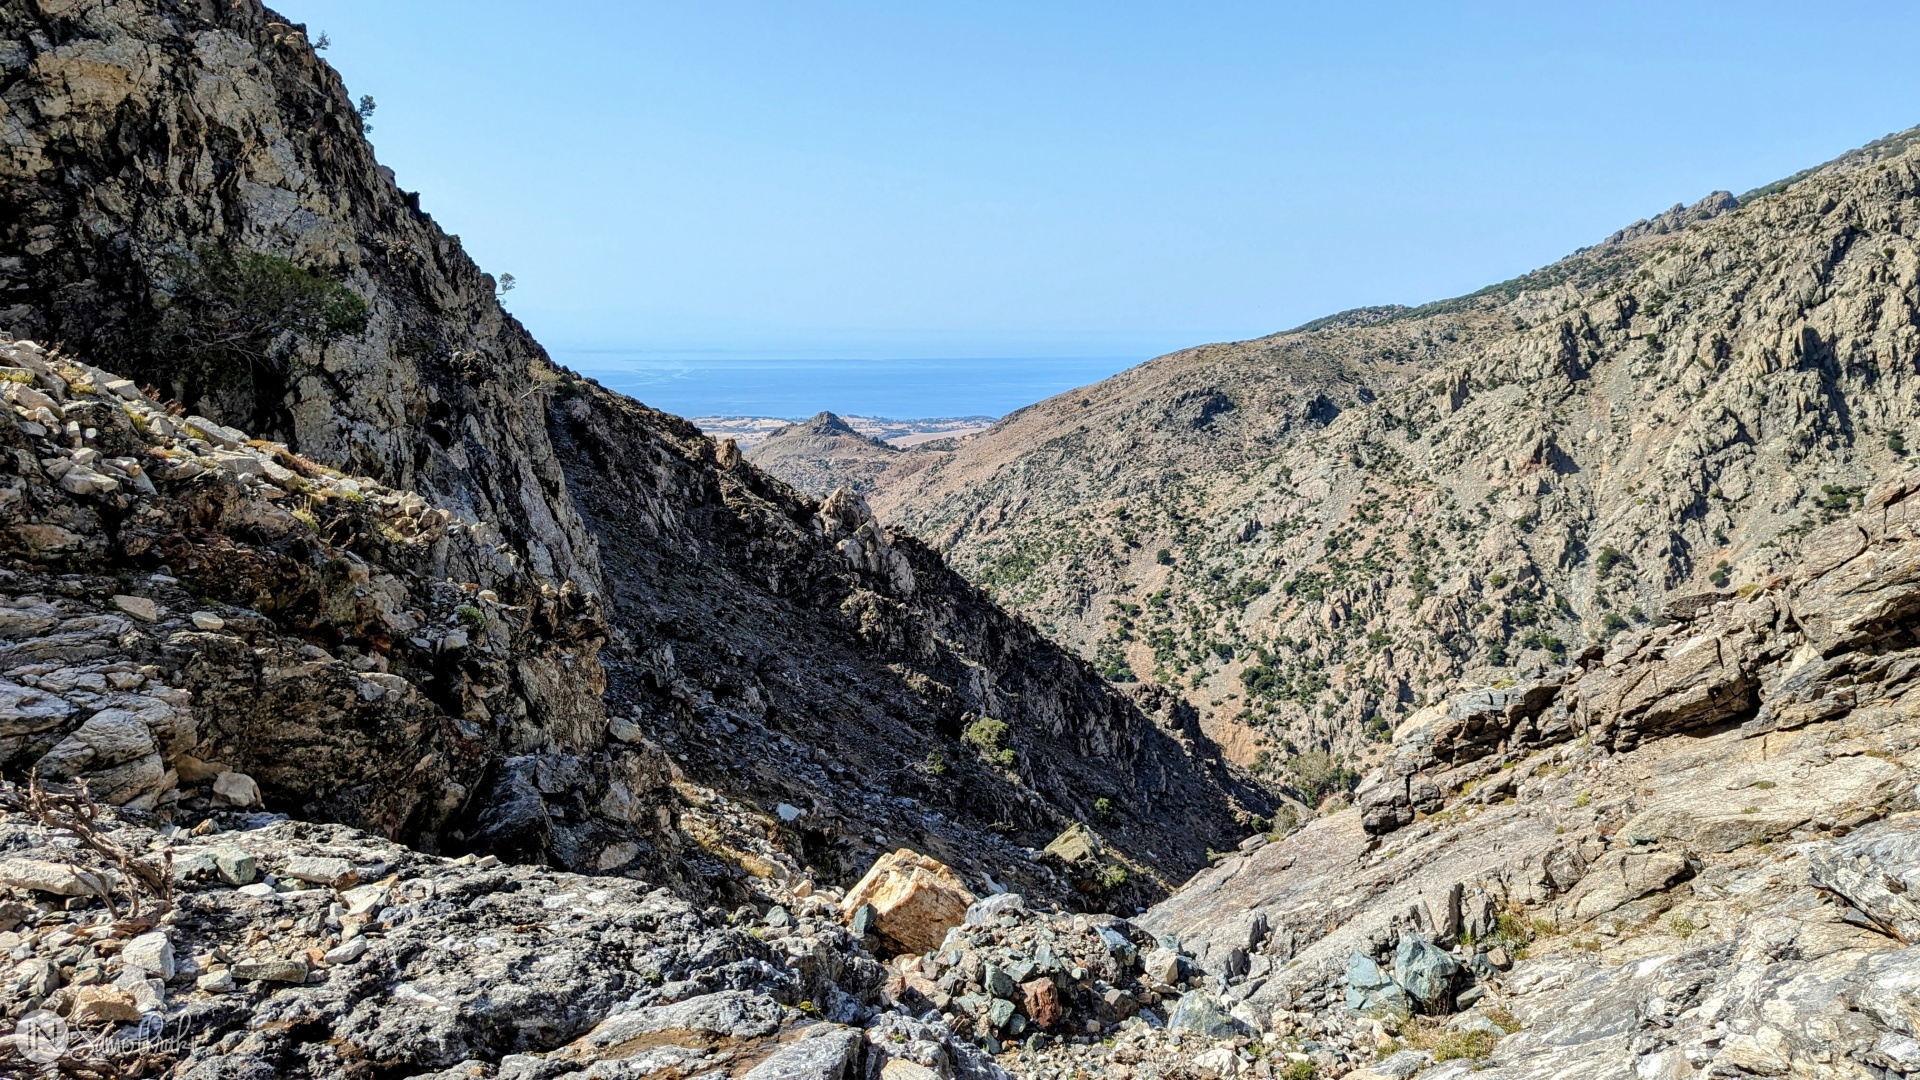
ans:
x=750 y=431
x=1312 y=535
x=824 y=453
x=188 y=201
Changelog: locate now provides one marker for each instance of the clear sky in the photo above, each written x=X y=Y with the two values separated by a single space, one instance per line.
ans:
x=1031 y=178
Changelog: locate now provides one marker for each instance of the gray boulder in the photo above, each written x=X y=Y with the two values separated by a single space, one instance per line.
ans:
x=1426 y=972
x=1200 y=1014
x=1371 y=992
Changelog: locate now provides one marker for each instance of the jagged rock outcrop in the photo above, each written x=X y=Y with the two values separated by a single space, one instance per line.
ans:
x=179 y=602
x=1317 y=534
x=406 y=964
x=1818 y=645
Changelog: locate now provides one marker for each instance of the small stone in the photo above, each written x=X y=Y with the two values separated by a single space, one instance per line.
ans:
x=93 y=1005
x=999 y=1013
x=1497 y=956
x=1117 y=943
x=236 y=867
x=788 y=812
x=216 y=982
x=151 y=952
x=1076 y=846
x=364 y=898
x=80 y=480
x=149 y=995
x=124 y=388
x=37 y=976
x=258 y=888
x=236 y=788
x=207 y=620
x=58 y=879
x=336 y=873
x=823 y=1052
x=138 y=606
x=983 y=912
x=286 y=971
x=1040 y=999
x=904 y=1069
x=1162 y=965
x=615 y=856
x=347 y=951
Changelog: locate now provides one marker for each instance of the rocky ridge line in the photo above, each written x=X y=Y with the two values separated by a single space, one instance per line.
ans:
x=1311 y=536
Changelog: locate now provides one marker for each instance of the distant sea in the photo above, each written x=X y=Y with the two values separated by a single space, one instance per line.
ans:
x=796 y=389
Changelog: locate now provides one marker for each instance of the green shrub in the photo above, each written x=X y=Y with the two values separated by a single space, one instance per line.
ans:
x=1497 y=652
x=225 y=322
x=989 y=736
x=1317 y=774
x=231 y=304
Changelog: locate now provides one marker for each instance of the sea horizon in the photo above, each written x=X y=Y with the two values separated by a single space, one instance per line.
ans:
x=794 y=388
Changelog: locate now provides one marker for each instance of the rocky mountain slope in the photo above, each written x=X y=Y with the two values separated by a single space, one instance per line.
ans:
x=189 y=201
x=818 y=455
x=1314 y=534
x=1692 y=856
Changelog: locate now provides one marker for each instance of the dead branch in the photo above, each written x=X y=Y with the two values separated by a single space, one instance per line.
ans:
x=76 y=814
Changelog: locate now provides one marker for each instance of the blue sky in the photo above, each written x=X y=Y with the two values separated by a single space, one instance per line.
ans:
x=1074 y=179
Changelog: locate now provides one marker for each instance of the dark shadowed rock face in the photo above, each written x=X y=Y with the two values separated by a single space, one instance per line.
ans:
x=798 y=653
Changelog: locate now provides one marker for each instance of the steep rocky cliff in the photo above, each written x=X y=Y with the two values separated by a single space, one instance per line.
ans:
x=181 y=184
x=1314 y=534
x=189 y=201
